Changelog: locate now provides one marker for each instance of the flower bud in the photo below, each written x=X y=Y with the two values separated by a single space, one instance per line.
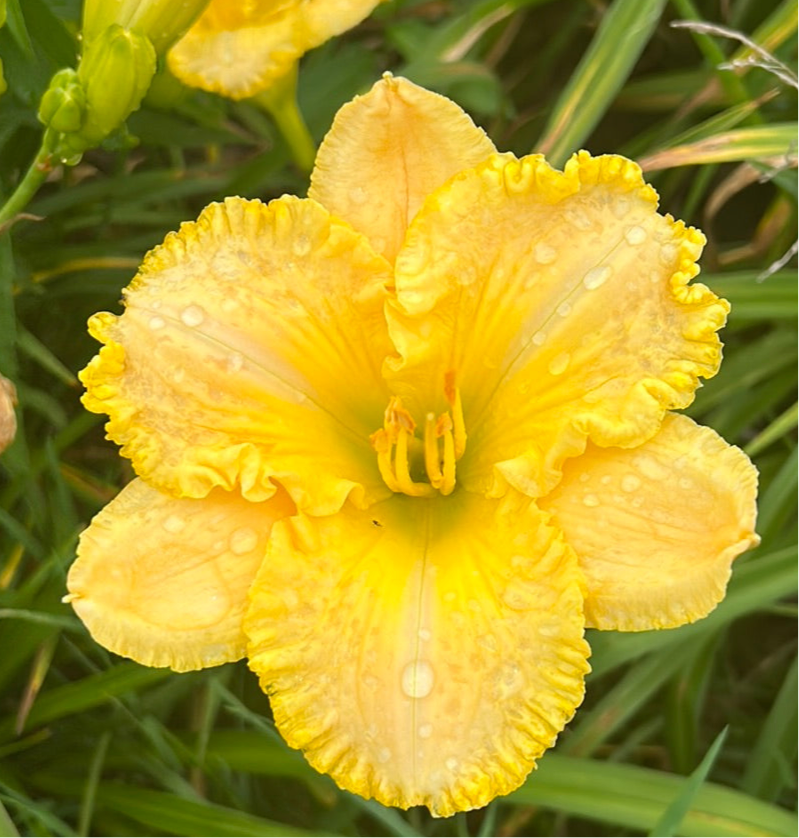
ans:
x=63 y=105
x=115 y=70
x=162 y=21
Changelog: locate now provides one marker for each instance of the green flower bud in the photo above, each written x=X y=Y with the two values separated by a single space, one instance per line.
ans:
x=162 y=21
x=63 y=104
x=115 y=70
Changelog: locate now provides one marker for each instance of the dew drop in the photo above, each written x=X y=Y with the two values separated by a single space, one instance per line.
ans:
x=424 y=634
x=174 y=524
x=417 y=679
x=234 y=362
x=539 y=338
x=585 y=477
x=630 y=483
x=579 y=219
x=597 y=277
x=559 y=363
x=383 y=755
x=358 y=195
x=425 y=731
x=668 y=253
x=301 y=245
x=243 y=540
x=544 y=253
x=452 y=764
x=192 y=316
x=635 y=235
x=651 y=468
x=591 y=501
x=157 y=323
x=564 y=309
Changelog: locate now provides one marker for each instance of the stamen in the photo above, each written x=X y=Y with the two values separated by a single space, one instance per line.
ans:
x=448 y=483
x=402 y=471
x=431 y=459
x=453 y=395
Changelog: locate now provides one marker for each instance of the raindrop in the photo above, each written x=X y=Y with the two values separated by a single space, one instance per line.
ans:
x=425 y=731
x=539 y=338
x=383 y=755
x=564 y=309
x=630 y=483
x=597 y=277
x=358 y=195
x=174 y=524
x=544 y=253
x=243 y=540
x=591 y=501
x=424 y=634
x=157 y=323
x=635 y=235
x=192 y=316
x=417 y=679
x=235 y=361
x=302 y=245
x=452 y=764
x=559 y=363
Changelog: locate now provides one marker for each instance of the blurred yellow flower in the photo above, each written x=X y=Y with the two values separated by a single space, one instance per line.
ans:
x=8 y=419
x=401 y=441
x=240 y=49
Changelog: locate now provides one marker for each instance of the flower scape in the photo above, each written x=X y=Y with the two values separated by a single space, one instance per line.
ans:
x=400 y=442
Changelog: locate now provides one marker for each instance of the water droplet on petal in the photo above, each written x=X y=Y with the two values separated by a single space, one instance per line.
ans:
x=302 y=245
x=596 y=277
x=174 y=524
x=668 y=253
x=544 y=253
x=157 y=323
x=424 y=634
x=425 y=731
x=591 y=501
x=192 y=316
x=243 y=540
x=578 y=219
x=635 y=235
x=564 y=309
x=559 y=363
x=539 y=338
x=235 y=361
x=630 y=483
x=452 y=764
x=417 y=679
x=358 y=195
x=383 y=755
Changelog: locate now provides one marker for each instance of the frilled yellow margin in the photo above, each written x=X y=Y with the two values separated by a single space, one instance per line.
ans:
x=225 y=368
x=239 y=48
x=656 y=528
x=561 y=303
x=458 y=653
x=164 y=581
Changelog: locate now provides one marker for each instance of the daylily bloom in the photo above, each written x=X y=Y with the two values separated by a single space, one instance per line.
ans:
x=240 y=49
x=400 y=442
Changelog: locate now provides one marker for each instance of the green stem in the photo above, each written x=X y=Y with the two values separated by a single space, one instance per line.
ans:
x=35 y=176
x=280 y=100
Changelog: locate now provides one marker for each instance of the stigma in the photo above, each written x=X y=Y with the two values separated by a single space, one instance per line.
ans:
x=442 y=443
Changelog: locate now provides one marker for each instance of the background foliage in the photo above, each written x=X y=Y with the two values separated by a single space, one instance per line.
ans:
x=92 y=744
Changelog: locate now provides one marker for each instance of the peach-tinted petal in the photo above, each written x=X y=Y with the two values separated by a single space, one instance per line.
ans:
x=422 y=651
x=239 y=48
x=656 y=528
x=165 y=581
x=249 y=349
x=386 y=152
x=559 y=304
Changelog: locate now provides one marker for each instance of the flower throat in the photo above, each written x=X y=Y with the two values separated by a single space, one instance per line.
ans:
x=443 y=444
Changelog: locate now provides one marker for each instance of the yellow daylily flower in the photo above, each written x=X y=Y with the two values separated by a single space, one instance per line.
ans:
x=400 y=442
x=240 y=49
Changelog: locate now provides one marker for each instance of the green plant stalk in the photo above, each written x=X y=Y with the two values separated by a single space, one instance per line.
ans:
x=41 y=166
x=280 y=101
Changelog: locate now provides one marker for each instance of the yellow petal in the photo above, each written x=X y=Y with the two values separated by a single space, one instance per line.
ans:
x=439 y=655
x=239 y=48
x=165 y=581
x=560 y=305
x=249 y=349
x=386 y=152
x=656 y=528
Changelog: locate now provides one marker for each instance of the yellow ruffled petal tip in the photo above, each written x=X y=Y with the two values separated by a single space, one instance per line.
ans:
x=401 y=441
x=239 y=49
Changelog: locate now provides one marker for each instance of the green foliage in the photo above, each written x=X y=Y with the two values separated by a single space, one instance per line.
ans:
x=90 y=744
